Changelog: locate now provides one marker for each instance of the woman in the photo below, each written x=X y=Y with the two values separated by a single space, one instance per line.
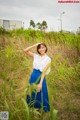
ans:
x=41 y=67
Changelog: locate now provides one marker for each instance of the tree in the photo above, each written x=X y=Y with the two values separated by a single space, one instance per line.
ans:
x=38 y=25
x=32 y=23
x=42 y=26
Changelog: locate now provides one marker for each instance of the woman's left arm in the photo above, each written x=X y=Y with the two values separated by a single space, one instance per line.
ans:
x=39 y=86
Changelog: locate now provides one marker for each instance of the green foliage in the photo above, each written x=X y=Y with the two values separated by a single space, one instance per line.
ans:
x=32 y=23
x=38 y=25
x=42 y=26
x=63 y=80
x=3 y=31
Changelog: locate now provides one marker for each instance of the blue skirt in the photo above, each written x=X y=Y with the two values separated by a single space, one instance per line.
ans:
x=38 y=99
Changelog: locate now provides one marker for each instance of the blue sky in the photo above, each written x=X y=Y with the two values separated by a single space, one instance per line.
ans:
x=39 y=10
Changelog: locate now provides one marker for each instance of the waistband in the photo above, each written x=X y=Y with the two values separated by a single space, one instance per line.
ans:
x=36 y=70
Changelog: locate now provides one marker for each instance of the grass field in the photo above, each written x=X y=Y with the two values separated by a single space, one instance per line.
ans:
x=63 y=81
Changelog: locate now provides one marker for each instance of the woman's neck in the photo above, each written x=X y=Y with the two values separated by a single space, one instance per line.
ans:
x=43 y=55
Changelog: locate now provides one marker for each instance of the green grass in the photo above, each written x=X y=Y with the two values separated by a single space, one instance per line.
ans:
x=63 y=81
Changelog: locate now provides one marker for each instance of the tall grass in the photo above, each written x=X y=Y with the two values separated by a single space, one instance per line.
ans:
x=63 y=80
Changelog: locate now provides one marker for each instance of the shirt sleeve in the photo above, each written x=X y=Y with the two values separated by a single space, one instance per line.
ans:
x=35 y=61
x=35 y=55
x=49 y=69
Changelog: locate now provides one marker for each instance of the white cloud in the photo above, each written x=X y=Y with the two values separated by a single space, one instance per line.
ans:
x=39 y=10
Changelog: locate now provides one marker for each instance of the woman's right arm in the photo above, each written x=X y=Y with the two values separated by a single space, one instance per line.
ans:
x=27 y=50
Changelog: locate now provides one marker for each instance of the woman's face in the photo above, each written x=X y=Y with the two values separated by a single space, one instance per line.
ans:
x=42 y=49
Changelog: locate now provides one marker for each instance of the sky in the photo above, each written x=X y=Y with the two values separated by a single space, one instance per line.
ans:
x=39 y=10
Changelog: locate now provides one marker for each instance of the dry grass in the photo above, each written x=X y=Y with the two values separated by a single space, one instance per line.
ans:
x=63 y=80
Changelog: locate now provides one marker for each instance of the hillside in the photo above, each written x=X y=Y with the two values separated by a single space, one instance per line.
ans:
x=63 y=80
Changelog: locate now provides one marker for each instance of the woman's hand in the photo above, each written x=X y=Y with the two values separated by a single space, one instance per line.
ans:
x=27 y=50
x=39 y=87
x=37 y=44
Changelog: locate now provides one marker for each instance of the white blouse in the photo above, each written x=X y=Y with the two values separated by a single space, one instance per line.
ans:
x=40 y=62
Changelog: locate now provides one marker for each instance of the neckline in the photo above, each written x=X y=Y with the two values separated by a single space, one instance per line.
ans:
x=43 y=55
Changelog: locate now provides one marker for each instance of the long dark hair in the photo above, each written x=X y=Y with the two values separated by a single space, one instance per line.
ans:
x=39 y=46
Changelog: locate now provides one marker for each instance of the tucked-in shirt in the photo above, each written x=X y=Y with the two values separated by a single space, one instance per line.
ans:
x=40 y=62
